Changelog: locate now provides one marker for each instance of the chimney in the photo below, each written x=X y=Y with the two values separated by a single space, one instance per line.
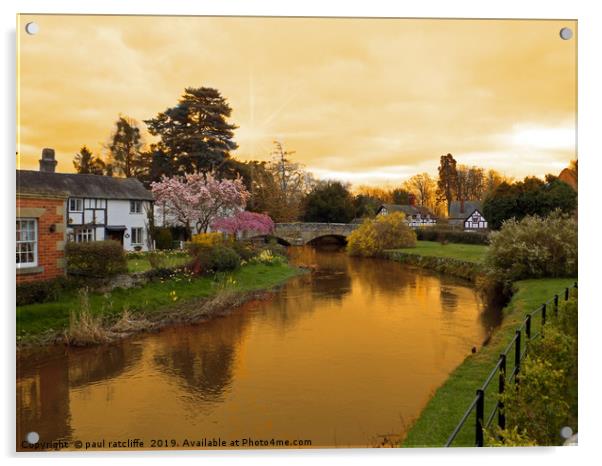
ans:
x=462 y=206
x=47 y=162
x=412 y=199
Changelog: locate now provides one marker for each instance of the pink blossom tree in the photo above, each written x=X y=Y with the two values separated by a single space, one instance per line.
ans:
x=196 y=199
x=244 y=221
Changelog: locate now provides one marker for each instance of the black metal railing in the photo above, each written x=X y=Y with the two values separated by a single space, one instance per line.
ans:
x=501 y=368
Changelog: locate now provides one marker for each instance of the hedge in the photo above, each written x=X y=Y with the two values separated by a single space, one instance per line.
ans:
x=41 y=291
x=452 y=236
x=95 y=259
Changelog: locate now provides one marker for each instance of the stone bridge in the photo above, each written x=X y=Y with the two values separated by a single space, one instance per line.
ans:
x=299 y=234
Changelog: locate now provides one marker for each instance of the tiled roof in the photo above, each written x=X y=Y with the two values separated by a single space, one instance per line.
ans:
x=455 y=209
x=77 y=185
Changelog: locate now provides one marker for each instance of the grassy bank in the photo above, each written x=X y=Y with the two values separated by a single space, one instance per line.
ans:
x=460 y=260
x=463 y=252
x=42 y=322
x=449 y=402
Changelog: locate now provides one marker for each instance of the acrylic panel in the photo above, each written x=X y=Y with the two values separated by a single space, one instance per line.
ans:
x=269 y=232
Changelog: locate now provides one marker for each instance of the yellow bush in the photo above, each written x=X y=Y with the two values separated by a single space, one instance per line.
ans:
x=383 y=232
x=208 y=240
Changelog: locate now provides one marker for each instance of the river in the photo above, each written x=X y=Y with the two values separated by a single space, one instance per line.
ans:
x=346 y=356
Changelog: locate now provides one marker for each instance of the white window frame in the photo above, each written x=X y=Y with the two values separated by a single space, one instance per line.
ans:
x=79 y=201
x=83 y=235
x=137 y=238
x=135 y=207
x=22 y=265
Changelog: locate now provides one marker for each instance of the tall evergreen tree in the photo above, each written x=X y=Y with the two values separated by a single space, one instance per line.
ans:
x=195 y=134
x=125 y=148
x=85 y=163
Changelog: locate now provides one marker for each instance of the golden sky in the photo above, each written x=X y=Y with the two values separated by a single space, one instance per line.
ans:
x=370 y=101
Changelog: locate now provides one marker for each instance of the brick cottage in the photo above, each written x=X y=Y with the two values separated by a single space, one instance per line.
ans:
x=40 y=234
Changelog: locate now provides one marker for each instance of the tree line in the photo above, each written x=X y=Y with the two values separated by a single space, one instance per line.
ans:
x=195 y=136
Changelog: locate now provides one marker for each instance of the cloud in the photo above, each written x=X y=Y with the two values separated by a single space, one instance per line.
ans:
x=352 y=97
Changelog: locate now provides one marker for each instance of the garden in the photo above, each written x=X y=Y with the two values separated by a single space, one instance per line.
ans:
x=109 y=294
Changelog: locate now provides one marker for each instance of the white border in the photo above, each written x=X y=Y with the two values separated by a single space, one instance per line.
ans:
x=590 y=148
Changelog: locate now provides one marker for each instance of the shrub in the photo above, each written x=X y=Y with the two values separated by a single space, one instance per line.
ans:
x=452 y=236
x=558 y=348
x=508 y=438
x=546 y=397
x=568 y=318
x=245 y=250
x=163 y=238
x=534 y=247
x=41 y=292
x=222 y=259
x=208 y=239
x=95 y=258
x=539 y=405
x=383 y=232
x=214 y=259
x=267 y=258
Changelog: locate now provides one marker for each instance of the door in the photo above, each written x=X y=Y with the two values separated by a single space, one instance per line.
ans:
x=115 y=235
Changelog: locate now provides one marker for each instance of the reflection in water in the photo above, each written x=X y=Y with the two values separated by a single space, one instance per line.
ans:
x=202 y=361
x=339 y=356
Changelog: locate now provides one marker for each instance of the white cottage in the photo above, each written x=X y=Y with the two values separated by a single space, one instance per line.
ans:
x=97 y=207
x=416 y=216
x=467 y=215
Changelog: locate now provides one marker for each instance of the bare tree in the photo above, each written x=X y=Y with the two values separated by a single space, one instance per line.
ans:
x=423 y=187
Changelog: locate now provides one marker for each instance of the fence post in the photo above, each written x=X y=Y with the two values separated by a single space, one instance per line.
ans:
x=480 y=417
x=556 y=305
x=501 y=416
x=543 y=315
x=528 y=327
x=566 y=294
x=517 y=357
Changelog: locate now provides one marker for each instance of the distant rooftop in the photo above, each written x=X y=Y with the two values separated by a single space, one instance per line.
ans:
x=456 y=211
x=407 y=209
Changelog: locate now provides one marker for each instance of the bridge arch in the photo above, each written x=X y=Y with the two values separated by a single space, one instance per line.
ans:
x=328 y=239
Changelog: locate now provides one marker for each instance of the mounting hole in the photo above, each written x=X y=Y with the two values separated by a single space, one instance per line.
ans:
x=32 y=28
x=33 y=438
x=566 y=432
x=566 y=33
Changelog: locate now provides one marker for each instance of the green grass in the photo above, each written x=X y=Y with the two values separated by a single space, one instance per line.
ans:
x=142 y=264
x=465 y=252
x=36 y=319
x=450 y=401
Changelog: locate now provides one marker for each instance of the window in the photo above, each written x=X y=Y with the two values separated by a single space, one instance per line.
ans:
x=27 y=242
x=137 y=235
x=75 y=205
x=135 y=207
x=84 y=235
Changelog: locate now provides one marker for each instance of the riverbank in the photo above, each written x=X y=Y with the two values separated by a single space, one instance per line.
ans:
x=446 y=407
x=459 y=260
x=178 y=299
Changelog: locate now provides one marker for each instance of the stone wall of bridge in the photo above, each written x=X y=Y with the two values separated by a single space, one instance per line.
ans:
x=299 y=234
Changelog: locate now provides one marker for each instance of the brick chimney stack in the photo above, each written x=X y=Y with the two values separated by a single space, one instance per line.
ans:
x=47 y=162
x=412 y=199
